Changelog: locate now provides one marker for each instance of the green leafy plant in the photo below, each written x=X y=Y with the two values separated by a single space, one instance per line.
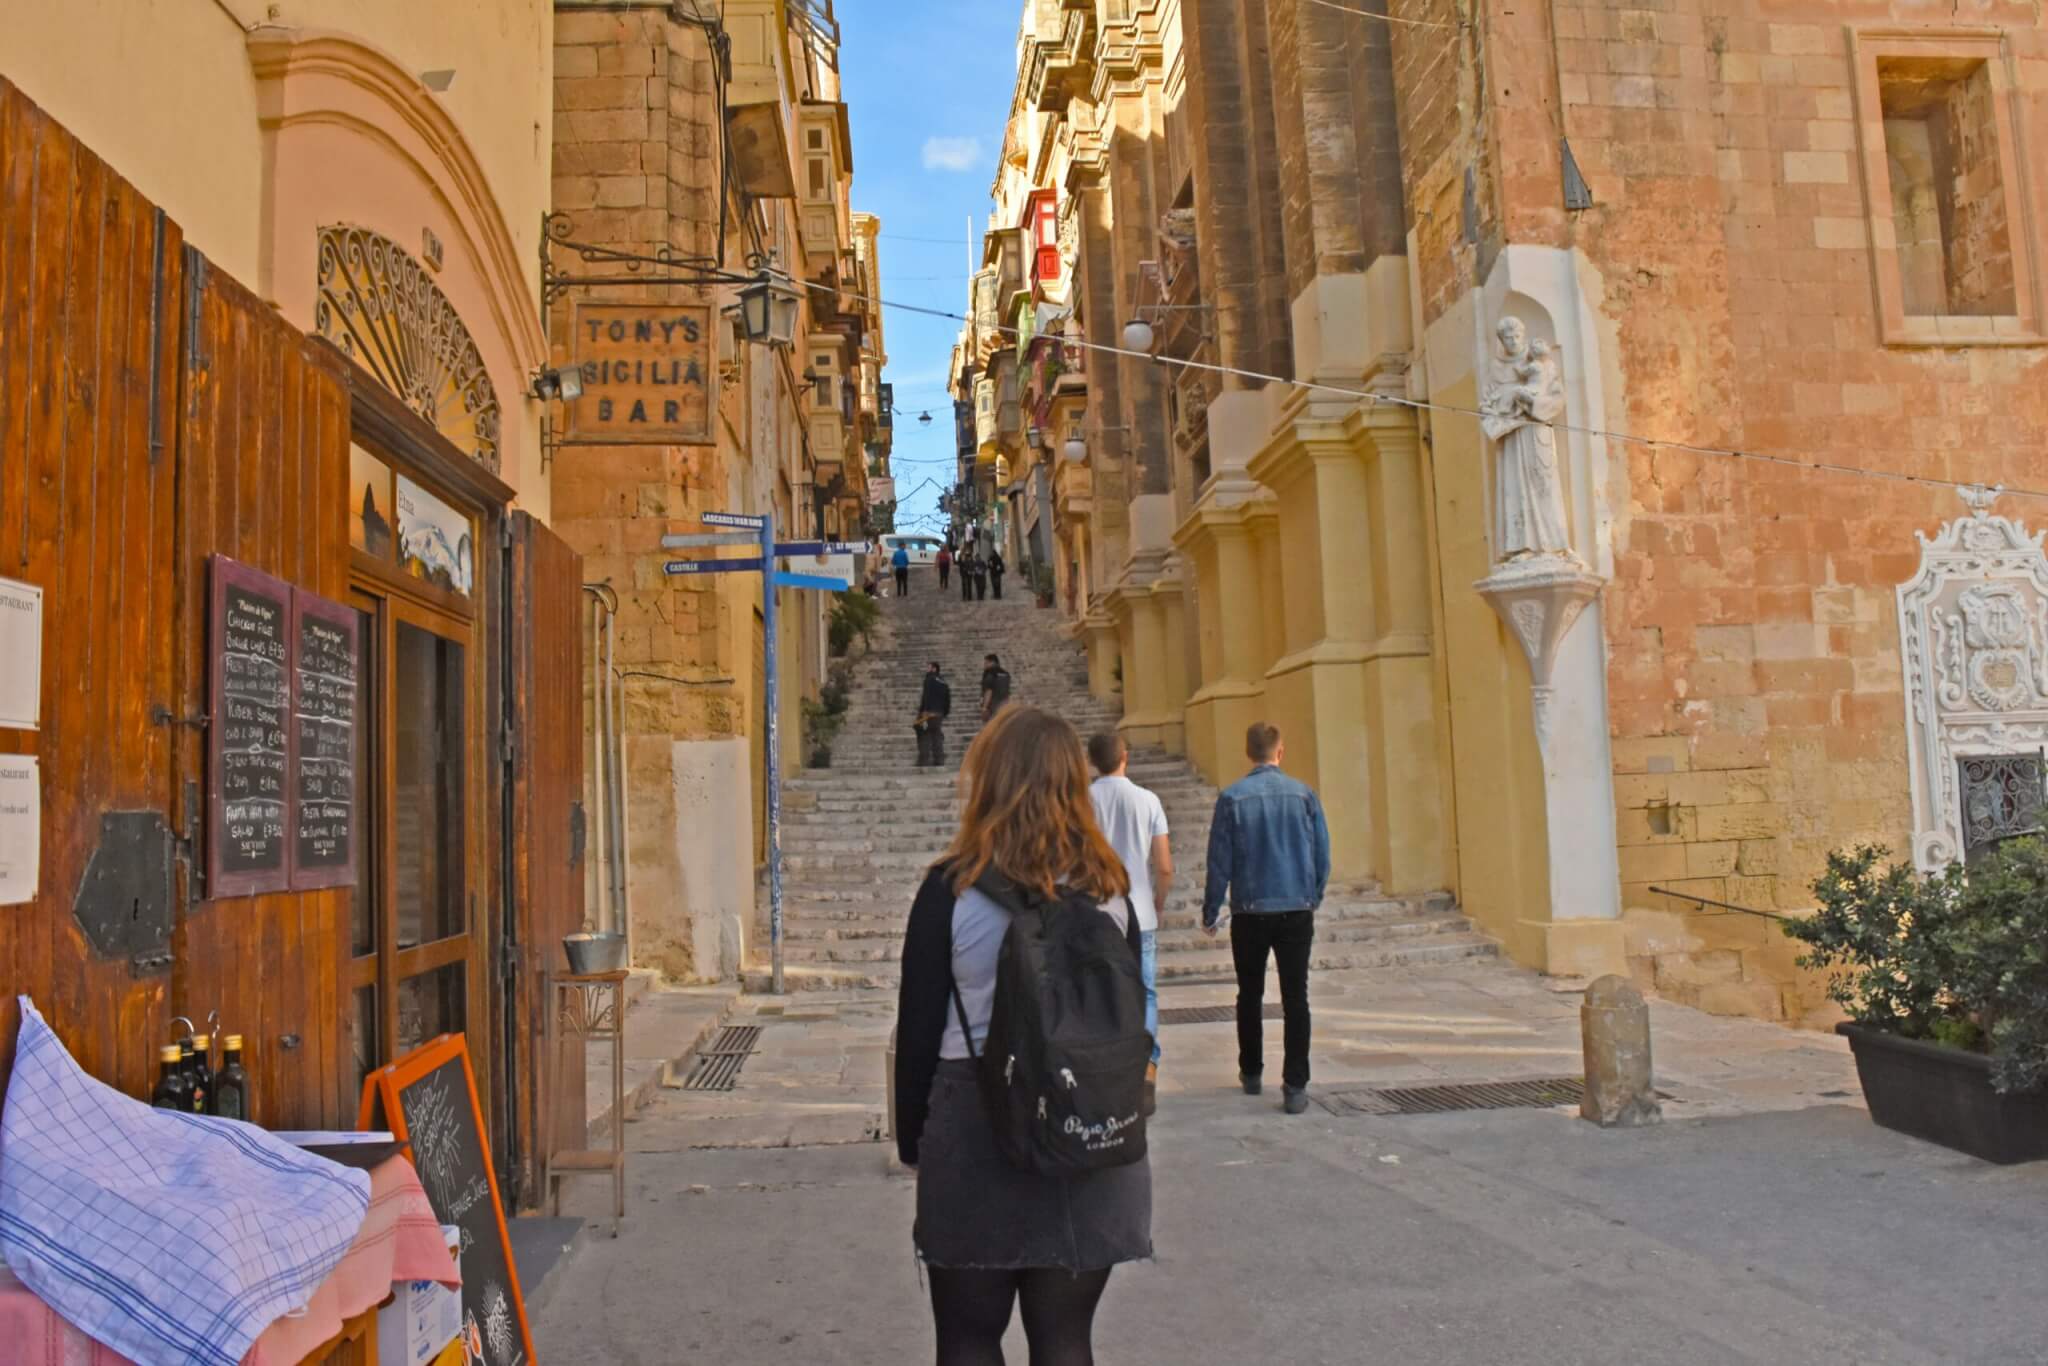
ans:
x=854 y=617
x=821 y=728
x=1956 y=958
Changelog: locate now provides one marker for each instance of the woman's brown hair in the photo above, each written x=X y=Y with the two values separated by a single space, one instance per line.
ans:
x=1027 y=813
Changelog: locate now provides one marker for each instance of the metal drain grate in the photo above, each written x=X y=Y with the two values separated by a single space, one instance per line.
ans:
x=718 y=1066
x=1210 y=1014
x=1535 y=1093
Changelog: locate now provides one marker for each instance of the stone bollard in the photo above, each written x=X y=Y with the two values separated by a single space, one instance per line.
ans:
x=1615 y=1024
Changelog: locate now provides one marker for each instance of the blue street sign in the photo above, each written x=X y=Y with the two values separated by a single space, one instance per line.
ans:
x=739 y=519
x=747 y=566
x=819 y=581
x=822 y=548
x=700 y=540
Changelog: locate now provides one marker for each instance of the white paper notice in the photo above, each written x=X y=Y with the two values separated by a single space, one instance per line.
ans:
x=21 y=655
x=21 y=828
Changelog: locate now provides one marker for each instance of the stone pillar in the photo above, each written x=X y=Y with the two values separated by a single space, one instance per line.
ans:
x=1099 y=632
x=1412 y=854
x=1317 y=690
x=1169 y=597
x=1219 y=542
x=1614 y=1025
x=1151 y=715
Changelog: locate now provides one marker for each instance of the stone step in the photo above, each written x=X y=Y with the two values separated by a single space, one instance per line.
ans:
x=1212 y=963
x=809 y=946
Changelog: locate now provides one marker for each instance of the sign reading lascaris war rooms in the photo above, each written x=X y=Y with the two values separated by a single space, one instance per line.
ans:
x=647 y=372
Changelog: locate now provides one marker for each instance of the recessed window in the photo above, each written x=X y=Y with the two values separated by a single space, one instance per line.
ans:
x=1948 y=199
x=817 y=139
x=820 y=177
x=1952 y=259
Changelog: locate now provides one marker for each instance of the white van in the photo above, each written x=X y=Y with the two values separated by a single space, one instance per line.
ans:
x=924 y=550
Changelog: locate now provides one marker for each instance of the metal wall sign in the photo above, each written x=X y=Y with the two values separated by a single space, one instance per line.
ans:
x=646 y=372
x=21 y=655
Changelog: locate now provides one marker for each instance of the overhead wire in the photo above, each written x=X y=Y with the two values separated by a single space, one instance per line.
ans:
x=1376 y=397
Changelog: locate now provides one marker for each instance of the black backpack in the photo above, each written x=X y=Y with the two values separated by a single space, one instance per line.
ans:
x=1062 y=1071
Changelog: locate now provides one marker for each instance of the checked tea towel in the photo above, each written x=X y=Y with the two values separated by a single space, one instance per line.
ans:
x=168 y=1237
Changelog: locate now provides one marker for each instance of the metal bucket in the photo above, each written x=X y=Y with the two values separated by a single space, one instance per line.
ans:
x=595 y=953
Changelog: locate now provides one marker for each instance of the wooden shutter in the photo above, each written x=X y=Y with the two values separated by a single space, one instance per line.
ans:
x=90 y=276
x=263 y=478
x=548 y=820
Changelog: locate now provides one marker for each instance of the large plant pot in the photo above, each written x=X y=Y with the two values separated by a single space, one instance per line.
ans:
x=1944 y=1095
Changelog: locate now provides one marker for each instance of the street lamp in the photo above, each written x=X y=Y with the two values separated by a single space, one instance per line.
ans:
x=1138 y=336
x=561 y=382
x=768 y=310
x=1077 y=450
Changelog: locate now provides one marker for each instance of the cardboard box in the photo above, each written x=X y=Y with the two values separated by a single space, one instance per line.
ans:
x=423 y=1322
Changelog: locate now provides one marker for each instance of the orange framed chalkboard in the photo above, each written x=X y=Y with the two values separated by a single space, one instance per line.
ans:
x=427 y=1099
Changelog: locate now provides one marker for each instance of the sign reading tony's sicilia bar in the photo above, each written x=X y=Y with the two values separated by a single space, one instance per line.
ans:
x=647 y=372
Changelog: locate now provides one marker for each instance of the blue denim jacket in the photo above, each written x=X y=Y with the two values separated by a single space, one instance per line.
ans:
x=1269 y=845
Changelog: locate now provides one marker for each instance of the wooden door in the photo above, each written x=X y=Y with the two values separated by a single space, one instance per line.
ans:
x=548 y=830
x=91 y=277
x=263 y=466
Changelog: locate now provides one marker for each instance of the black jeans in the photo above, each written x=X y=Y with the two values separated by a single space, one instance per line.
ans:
x=945 y=572
x=995 y=581
x=1290 y=936
x=903 y=583
x=981 y=585
x=931 y=743
x=966 y=586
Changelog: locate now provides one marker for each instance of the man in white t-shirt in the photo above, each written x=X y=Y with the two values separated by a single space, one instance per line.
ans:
x=1135 y=824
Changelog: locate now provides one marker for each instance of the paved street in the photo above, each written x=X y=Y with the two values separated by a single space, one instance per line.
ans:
x=1766 y=1221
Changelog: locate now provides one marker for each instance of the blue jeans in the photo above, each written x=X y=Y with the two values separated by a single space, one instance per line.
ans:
x=1148 y=962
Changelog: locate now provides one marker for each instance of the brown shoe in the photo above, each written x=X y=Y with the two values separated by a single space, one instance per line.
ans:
x=1151 y=1088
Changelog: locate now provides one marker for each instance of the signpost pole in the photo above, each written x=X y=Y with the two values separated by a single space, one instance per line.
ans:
x=771 y=706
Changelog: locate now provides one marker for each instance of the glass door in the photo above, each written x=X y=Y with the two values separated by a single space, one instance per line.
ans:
x=412 y=973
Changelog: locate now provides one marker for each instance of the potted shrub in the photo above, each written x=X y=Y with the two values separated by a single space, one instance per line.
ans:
x=1042 y=583
x=1945 y=980
x=822 y=725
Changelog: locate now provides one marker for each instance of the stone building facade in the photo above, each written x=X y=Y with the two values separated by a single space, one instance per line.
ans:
x=1536 y=627
x=712 y=136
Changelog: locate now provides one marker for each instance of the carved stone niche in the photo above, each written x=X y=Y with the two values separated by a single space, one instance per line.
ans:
x=1973 y=636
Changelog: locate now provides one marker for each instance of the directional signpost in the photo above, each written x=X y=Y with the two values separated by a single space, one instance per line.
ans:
x=758 y=532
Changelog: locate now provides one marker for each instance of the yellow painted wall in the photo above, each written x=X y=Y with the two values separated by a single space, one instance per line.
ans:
x=164 y=91
x=1496 y=770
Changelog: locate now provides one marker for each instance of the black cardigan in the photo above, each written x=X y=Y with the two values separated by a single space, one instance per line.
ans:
x=924 y=998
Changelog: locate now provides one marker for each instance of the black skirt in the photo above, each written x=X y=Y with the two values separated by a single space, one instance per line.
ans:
x=975 y=1210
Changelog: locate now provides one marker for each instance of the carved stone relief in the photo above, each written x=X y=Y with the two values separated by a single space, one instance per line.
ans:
x=1973 y=634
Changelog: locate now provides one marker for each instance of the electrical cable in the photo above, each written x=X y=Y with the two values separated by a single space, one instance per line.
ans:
x=1425 y=405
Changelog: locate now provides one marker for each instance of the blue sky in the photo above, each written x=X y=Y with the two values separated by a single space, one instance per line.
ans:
x=927 y=86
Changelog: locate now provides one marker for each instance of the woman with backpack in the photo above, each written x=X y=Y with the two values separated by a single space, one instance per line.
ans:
x=1021 y=1053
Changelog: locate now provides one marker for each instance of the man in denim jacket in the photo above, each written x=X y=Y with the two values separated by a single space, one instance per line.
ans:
x=1269 y=846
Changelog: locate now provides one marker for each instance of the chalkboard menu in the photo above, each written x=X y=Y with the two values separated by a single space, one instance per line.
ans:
x=251 y=649
x=324 y=743
x=428 y=1098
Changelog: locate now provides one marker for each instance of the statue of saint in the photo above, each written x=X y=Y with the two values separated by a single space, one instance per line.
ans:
x=1524 y=395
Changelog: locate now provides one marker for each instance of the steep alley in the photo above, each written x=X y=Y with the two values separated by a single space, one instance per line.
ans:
x=858 y=836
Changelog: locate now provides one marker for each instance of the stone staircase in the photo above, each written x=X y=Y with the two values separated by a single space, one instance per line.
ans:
x=858 y=837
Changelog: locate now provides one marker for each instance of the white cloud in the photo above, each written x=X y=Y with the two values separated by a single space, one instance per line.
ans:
x=952 y=154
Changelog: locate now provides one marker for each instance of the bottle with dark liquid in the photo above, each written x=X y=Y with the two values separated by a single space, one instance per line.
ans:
x=231 y=1083
x=199 y=1067
x=174 y=1087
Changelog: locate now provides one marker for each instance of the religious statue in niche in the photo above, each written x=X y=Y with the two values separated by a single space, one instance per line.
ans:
x=1524 y=396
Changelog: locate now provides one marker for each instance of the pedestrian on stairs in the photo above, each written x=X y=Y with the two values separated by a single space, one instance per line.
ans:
x=945 y=564
x=1134 y=822
x=934 y=705
x=995 y=572
x=965 y=564
x=980 y=576
x=995 y=686
x=1269 y=849
x=901 y=559
x=993 y=1234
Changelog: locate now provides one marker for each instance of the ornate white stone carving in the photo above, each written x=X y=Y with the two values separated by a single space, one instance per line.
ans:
x=1973 y=635
x=1524 y=396
x=1540 y=597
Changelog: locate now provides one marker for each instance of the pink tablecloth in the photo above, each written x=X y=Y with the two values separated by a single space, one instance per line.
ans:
x=400 y=1241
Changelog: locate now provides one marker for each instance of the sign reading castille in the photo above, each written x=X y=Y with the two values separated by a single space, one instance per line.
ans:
x=647 y=371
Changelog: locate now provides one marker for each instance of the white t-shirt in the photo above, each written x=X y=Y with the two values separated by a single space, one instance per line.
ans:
x=1131 y=818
